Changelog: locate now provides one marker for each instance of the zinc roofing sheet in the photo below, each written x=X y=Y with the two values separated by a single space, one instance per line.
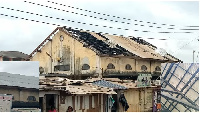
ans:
x=18 y=80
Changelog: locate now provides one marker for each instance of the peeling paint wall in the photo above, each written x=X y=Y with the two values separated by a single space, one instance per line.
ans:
x=72 y=53
x=120 y=64
x=83 y=103
x=20 y=94
x=139 y=100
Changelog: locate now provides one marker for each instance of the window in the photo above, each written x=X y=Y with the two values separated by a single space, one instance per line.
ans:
x=62 y=67
x=143 y=68
x=110 y=66
x=41 y=70
x=128 y=67
x=17 y=59
x=31 y=98
x=6 y=59
x=61 y=38
x=12 y=96
x=157 y=68
x=85 y=67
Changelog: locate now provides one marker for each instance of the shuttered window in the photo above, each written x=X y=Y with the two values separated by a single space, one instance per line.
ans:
x=62 y=67
x=128 y=67
x=85 y=67
x=157 y=68
x=143 y=68
x=110 y=66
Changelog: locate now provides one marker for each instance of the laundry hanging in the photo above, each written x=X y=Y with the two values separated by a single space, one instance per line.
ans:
x=122 y=99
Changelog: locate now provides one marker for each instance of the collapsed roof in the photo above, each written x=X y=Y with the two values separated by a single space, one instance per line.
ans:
x=88 y=86
x=72 y=86
x=110 y=45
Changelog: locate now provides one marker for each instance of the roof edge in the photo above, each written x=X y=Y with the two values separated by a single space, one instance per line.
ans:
x=48 y=37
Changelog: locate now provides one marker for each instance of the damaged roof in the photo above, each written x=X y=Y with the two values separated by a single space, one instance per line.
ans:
x=108 y=84
x=88 y=86
x=110 y=45
x=117 y=45
x=13 y=54
x=72 y=86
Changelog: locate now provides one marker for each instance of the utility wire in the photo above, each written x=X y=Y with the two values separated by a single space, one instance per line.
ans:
x=120 y=17
x=183 y=46
x=82 y=22
x=64 y=25
x=94 y=16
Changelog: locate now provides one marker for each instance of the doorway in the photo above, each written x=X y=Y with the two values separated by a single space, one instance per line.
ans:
x=41 y=103
x=51 y=101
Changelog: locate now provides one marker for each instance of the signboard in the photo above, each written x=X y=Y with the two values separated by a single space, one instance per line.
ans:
x=144 y=80
x=5 y=103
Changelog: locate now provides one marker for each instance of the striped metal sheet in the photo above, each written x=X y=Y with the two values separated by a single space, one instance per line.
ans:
x=19 y=80
x=180 y=87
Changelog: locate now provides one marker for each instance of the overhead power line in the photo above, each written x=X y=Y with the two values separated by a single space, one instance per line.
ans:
x=62 y=19
x=67 y=26
x=118 y=17
x=91 y=16
x=71 y=12
x=184 y=45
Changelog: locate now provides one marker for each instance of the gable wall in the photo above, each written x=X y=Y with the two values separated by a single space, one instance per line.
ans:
x=71 y=50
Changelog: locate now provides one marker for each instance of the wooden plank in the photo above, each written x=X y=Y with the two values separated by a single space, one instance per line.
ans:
x=90 y=101
x=78 y=103
x=81 y=102
x=93 y=106
x=132 y=97
x=73 y=102
x=96 y=101
x=99 y=102
x=86 y=101
x=104 y=102
x=58 y=103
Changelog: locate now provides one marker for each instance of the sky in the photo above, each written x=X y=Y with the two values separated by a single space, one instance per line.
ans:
x=21 y=35
x=27 y=68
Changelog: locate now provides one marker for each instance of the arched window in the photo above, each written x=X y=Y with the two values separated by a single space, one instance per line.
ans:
x=110 y=66
x=143 y=68
x=157 y=68
x=85 y=67
x=128 y=67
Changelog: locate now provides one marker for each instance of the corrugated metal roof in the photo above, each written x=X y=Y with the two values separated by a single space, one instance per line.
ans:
x=72 y=86
x=13 y=54
x=108 y=84
x=19 y=80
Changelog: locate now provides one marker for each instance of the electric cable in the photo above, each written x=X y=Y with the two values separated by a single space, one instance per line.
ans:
x=114 y=16
x=62 y=19
x=66 y=26
x=92 y=16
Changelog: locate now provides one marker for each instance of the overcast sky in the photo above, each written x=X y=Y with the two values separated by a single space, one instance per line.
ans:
x=28 y=68
x=25 y=36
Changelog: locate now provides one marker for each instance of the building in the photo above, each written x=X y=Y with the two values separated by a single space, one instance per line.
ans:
x=82 y=54
x=62 y=92
x=24 y=89
x=12 y=56
x=96 y=95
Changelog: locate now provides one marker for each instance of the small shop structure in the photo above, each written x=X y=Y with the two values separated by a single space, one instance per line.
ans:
x=96 y=95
